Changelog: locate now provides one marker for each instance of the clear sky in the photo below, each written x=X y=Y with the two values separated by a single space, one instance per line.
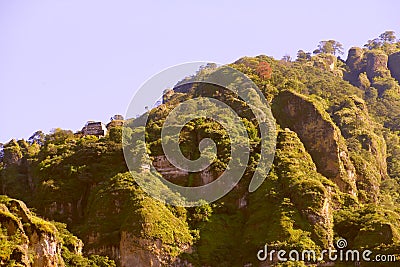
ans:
x=65 y=62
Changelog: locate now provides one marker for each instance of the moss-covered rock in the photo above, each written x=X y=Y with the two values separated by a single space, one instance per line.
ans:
x=126 y=224
x=320 y=136
x=293 y=208
x=376 y=64
x=366 y=145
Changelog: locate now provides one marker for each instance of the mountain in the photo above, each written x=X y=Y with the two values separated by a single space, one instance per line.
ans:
x=335 y=174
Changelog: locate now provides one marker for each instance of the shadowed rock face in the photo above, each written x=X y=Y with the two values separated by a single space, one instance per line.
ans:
x=356 y=65
x=376 y=62
x=354 y=59
x=394 y=65
x=319 y=135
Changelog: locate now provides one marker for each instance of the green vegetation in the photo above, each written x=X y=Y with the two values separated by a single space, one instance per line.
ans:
x=81 y=183
x=21 y=230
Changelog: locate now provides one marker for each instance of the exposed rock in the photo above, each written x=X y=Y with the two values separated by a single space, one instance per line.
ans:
x=394 y=65
x=354 y=59
x=138 y=252
x=367 y=148
x=373 y=62
x=325 y=62
x=376 y=64
x=115 y=123
x=38 y=244
x=133 y=252
x=320 y=215
x=319 y=135
x=12 y=153
x=168 y=170
x=47 y=250
x=132 y=228
x=356 y=64
x=181 y=177
x=207 y=176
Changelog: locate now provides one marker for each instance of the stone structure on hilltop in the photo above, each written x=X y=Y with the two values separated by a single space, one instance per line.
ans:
x=94 y=128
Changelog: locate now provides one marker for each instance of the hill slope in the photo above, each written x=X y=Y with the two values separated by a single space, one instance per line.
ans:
x=336 y=174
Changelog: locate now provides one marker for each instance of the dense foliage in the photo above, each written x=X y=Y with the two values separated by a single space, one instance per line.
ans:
x=83 y=182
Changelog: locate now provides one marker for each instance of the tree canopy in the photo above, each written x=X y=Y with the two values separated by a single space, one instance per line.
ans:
x=329 y=47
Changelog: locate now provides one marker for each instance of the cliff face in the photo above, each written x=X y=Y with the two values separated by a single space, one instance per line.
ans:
x=295 y=205
x=354 y=60
x=374 y=63
x=319 y=135
x=127 y=225
x=394 y=65
x=12 y=153
x=316 y=209
x=142 y=252
x=356 y=64
x=366 y=145
x=169 y=171
x=32 y=241
x=181 y=177
x=329 y=159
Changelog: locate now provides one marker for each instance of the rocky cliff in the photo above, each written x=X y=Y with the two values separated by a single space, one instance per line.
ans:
x=375 y=64
x=366 y=145
x=394 y=65
x=320 y=136
x=26 y=239
x=335 y=174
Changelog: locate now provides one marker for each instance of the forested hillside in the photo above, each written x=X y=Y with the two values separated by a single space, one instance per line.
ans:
x=335 y=174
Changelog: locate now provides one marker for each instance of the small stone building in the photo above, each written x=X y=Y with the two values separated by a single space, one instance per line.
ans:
x=94 y=128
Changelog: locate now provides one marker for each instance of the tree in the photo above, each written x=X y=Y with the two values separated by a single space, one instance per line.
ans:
x=38 y=137
x=287 y=58
x=115 y=134
x=373 y=44
x=329 y=47
x=388 y=37
x=264 y=70
x=303 y=56
x=58 y=136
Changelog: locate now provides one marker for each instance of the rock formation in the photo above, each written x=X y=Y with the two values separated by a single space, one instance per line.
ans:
x=356 y=65
x=319 y=135
x=367 y=148
x=394 y=65
x=34 y=242
x=376 y=64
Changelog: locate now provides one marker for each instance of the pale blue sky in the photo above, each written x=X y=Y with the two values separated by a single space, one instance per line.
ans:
x=65 y=62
